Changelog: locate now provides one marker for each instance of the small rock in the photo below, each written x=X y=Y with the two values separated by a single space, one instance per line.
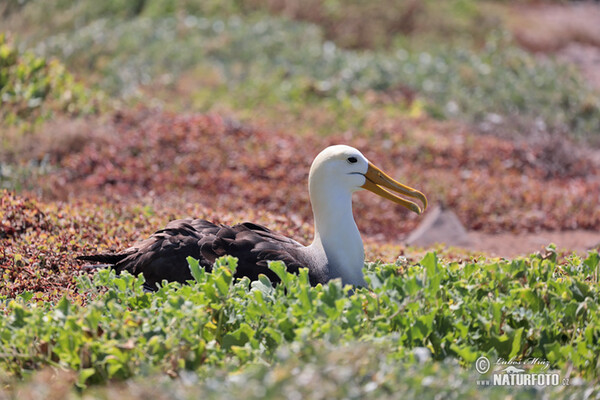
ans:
x=440 y=225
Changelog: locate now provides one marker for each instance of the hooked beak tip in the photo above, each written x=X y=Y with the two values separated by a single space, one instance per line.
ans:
x=377 y=182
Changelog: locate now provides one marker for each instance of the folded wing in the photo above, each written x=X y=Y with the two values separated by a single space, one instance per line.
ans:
x=163 y=256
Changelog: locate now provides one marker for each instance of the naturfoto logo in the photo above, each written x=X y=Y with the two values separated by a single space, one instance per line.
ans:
x=514 y=372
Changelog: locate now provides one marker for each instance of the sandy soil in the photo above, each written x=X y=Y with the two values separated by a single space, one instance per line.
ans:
x=511 y=245
x=571 y=32
x=585 y=57
x=442 y=226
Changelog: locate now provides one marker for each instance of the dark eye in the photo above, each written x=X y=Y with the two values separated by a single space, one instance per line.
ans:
x=352 y=160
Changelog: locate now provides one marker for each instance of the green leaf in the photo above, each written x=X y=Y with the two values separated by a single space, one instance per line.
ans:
x=516 y=344
x=264 y=285
x=84 y=375
x=465 y=352
x=239 y=337
x=120 y=284
x=18 y=315
x=430 y=263
x=26 y=296
x=280 y=269
x=197 y=272
x=305 y=298
x=433 y=273
x=222 y=285
x=63 y=306
x=592 y=262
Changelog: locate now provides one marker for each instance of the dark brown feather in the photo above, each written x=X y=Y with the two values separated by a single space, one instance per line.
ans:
x=163 y=256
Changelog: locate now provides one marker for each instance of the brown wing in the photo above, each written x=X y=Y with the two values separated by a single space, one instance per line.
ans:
x=164 y=254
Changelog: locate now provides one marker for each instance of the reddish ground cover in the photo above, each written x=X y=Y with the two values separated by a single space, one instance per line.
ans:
x=493 y=184
x=130 y=176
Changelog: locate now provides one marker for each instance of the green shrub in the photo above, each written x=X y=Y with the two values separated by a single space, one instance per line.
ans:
x=34 y=88
x=524 y=308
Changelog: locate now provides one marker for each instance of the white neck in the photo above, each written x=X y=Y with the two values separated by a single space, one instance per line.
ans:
x=336 y=233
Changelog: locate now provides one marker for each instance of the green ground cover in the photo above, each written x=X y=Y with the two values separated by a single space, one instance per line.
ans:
x=418 y=322
x=34 y=89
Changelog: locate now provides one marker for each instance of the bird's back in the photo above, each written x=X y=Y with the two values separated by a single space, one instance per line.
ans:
x=163 y=256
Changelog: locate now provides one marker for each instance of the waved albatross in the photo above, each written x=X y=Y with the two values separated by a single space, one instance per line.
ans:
x=336 y=251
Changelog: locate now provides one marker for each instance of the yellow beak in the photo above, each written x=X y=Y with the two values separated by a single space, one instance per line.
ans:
x=377 y=180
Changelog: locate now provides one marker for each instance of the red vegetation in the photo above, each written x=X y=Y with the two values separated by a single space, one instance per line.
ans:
x=30 y=254
x=493 y=184
x=149 y=167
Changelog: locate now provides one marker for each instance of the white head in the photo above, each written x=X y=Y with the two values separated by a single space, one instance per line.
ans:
x=336 y=173
x=340 y=169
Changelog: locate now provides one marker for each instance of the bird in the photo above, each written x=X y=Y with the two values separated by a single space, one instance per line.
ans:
x=336 y=251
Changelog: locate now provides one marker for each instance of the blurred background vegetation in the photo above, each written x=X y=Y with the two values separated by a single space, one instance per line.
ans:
x=469 y=60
